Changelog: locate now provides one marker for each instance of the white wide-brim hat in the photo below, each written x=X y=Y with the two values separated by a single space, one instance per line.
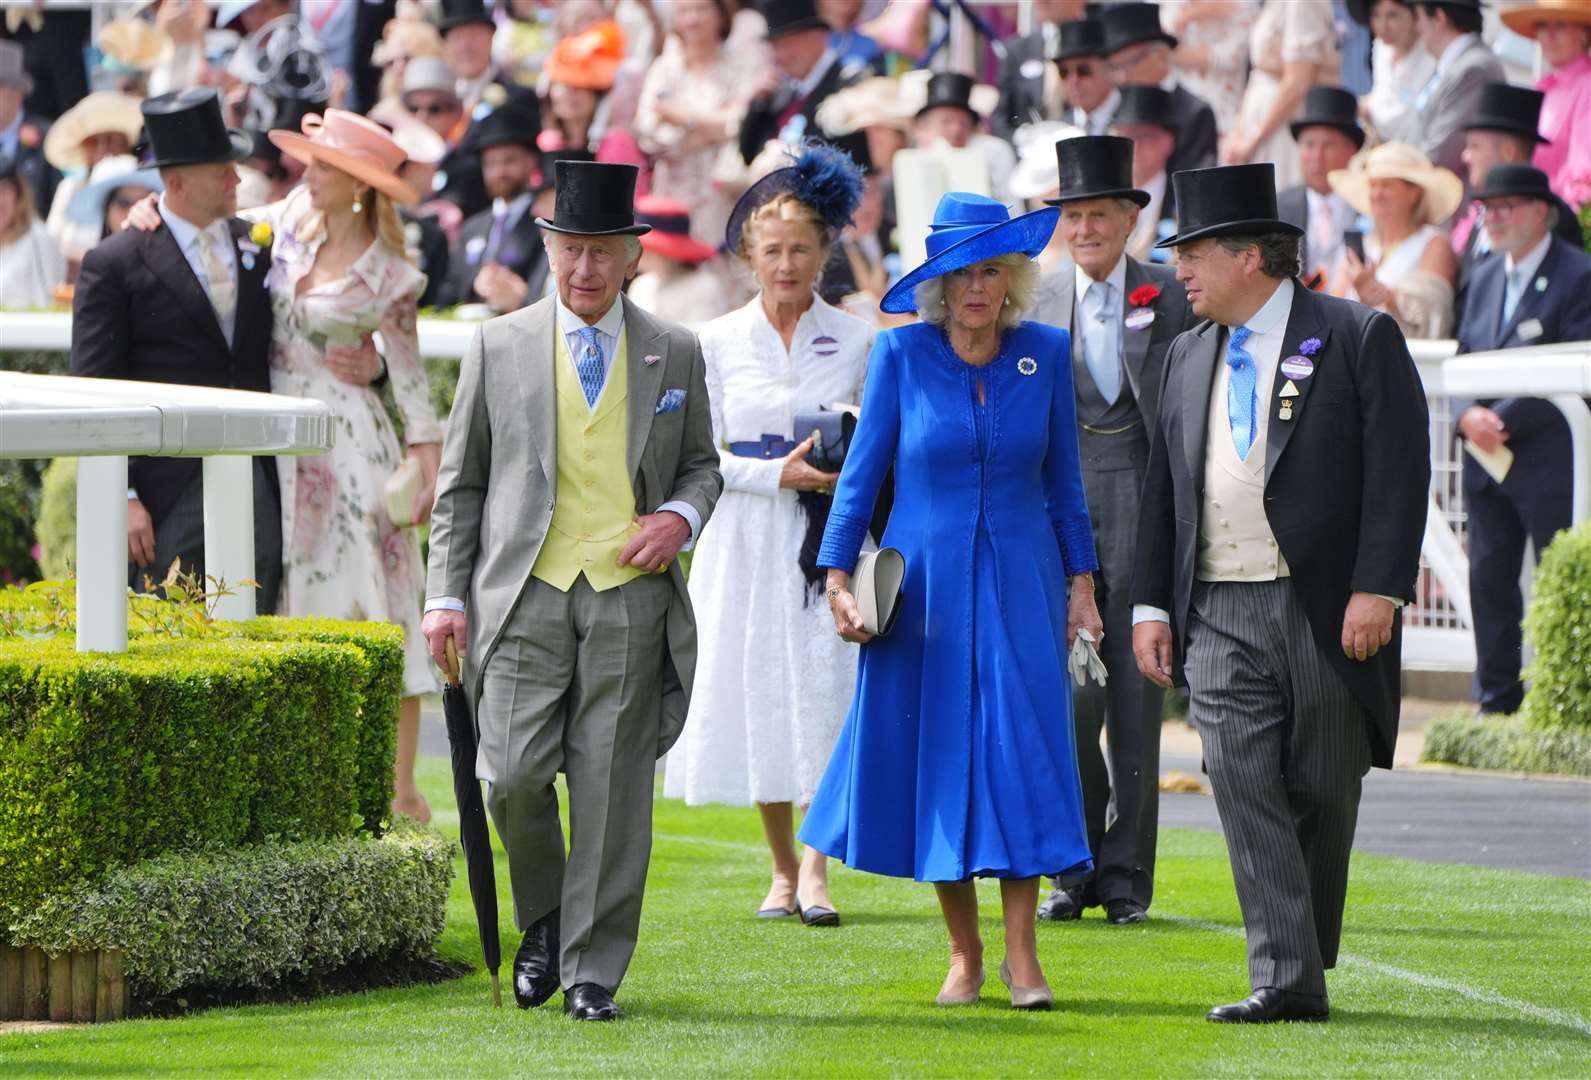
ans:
x=1444 y=191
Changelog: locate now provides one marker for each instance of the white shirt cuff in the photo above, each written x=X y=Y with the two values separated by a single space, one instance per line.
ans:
x=132 y=494
x=1146 y=613
x=1395 y=601
x=692 y=518
x=443 y=603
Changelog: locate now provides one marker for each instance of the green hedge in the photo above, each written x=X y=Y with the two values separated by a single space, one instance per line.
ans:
x=1506 y=742
x=1558 y=626
x=253 y=916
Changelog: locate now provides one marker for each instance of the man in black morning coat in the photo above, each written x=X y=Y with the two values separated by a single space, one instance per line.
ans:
x=805 y=71
x=1283 y=509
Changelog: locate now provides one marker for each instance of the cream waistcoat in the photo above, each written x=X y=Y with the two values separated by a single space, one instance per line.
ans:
x=1235 y=538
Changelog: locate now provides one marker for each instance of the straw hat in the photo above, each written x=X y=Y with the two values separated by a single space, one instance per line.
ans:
x=134 y=44
x=1523 y=19
x=406 y=39
x=101 y=112
x=873 y=102
x=349 y=142
x=589 y=59
x=1399 y=161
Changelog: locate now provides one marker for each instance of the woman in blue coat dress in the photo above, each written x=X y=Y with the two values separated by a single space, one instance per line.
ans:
x=957 y=758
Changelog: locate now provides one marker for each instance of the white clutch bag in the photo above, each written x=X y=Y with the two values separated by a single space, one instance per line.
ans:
x=876 y=586
x=403 y=493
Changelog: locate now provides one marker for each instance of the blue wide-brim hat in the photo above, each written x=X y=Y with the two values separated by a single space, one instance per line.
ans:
x=970 y=229
x=88 y=204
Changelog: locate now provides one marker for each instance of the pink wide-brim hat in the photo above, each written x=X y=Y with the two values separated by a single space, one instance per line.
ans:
x=348 y=142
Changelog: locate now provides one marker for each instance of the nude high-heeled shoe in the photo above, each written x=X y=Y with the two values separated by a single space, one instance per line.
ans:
x=1026 y=997
x=971 y=998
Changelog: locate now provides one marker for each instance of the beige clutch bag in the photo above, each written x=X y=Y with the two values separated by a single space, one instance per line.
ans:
x=403 y=492
x=876 y=586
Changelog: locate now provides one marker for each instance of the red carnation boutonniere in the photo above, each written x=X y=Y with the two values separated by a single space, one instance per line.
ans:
x=29 y=136
x=1144 y=295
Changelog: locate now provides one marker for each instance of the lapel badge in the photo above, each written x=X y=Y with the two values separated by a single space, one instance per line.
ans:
x=650 y=358
x=1289 y=391
x=247 y=259
x=1541 y=284
x=1027 y=365
x=1286 y=412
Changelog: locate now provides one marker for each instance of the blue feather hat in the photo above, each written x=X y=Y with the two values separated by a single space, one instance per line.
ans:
x=822 y=177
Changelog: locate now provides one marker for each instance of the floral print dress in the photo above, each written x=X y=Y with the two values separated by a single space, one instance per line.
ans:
x=343 y=558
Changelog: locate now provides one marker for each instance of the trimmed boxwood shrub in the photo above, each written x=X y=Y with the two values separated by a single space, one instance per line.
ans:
x=1559 y=628
x=108 y=759
x=1507 y=742
x=254 y=916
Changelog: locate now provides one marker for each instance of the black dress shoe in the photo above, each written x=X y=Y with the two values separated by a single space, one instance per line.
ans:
x=1125 y=912
x=1062 y=905
x=1268 y=1005
x=817 y=915
x=536 y=963
x=588 y=1001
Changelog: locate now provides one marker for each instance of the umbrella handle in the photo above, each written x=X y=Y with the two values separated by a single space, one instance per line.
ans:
x=452 y=662
x=497 y=991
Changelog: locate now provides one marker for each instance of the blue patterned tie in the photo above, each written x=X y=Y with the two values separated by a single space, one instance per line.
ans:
x=589 y=365
x=1100 y=351
x=1240 y=391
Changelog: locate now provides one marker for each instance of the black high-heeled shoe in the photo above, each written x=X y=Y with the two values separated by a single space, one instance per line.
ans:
x=816 y=915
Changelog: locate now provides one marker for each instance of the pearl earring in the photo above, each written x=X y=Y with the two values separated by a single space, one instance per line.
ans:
x=357 y=206
x=1006 y=302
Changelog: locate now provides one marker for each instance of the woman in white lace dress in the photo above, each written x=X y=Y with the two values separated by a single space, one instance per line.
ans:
x=339 y=271
x=773 y=681
x=1292 y=46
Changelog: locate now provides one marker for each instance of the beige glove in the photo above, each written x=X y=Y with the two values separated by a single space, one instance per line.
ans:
x=1084 y=662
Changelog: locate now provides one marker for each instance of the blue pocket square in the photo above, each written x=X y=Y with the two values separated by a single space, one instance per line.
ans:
x=670 y=401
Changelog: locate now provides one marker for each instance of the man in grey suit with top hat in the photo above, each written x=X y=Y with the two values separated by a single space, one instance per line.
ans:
x=578 y=462
x=1282 y=513
x=1123 y=316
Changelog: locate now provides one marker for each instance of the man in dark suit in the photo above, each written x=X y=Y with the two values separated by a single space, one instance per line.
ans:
x=21 y=132
x=1451 y=33
x=1139 y=51
x=1027 y=83
x=1123 y=316
x=1144 y=116
x=805 y=71
x=499 y=256
x=1504 y=127
x=1328 y=135
x=1283 y=510
x=1535 y=294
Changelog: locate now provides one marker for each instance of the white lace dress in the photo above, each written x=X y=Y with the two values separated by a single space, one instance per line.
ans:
x=773 y=680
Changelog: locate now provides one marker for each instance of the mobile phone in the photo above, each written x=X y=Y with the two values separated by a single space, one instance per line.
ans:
x=1354 y=241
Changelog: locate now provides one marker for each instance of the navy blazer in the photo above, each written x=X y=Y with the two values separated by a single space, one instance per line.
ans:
x=1554 y=307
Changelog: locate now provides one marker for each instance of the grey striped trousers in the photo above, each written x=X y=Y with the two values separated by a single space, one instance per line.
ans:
x=1286 y=745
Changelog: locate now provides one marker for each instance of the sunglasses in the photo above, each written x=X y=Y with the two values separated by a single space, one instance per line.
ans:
x=435 y=108
x=1082 y=71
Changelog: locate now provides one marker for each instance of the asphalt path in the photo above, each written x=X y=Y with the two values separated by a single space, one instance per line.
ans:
x=1474 y=819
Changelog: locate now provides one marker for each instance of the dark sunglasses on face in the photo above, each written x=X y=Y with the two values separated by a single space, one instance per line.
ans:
x=435 y=108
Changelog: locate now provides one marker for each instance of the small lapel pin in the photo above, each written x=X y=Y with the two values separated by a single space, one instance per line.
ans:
x=650 y=358
x=1027 y=365
x=1289 y=391
x=248 y=260
x=1286 y=412
x=1541 y=284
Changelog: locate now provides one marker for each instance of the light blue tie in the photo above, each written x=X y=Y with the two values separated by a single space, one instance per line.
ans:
x=589 y=365
x=1240 y=405
x=1423 y=98
x=1100 y=351
x=1513 y=287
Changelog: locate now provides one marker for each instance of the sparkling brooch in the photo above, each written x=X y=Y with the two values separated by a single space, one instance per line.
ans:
x=1027 y=365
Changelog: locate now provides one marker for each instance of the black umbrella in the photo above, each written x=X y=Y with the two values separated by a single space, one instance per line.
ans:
x=473 y=835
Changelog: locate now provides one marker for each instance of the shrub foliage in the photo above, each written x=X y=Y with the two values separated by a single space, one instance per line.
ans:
x=1559 y=628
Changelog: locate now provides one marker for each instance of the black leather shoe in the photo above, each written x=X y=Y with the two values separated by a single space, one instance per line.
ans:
x=1268 y=1005
x=588 y=1001
x=817 y=915
x=1062 y=905
x=536 y=963
x=1125 y=912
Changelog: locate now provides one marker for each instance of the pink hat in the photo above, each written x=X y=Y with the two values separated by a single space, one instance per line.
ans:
x=348 y=142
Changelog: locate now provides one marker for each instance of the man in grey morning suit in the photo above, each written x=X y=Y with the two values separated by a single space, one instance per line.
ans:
x=1283 y=509
x=578 y=461
x=1123 y=316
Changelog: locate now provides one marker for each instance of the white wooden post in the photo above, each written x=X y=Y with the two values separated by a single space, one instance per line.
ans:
x=102 y=554
x=229 y=532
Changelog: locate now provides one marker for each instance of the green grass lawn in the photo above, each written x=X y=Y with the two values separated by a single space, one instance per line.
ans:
x=1448 y=971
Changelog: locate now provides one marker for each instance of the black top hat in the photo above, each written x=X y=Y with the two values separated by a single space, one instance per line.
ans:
x=1517 y=179
x=462 y=12
x=1224 y=200
x=549 y=164
x=595 y=198
x=1505 y=107
x=1142 y=104
x=790 y=16
x=1359 y=10
x=1130 y=24
x=1080 y=37
x=508 y=126
x=185 y=128
x=1096 y=167
x=1330 y=106
x=950 y=88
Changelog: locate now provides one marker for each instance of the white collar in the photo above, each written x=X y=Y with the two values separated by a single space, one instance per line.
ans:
x=1116 y=279
x=610 y=324
x=1532 y=260
x=1315 y=198
x=1272 y=315
x=1451 y=54
x=1106 y=107
x=183 y=231
x=806 y=85
x=1169 y=83
x=514 y=208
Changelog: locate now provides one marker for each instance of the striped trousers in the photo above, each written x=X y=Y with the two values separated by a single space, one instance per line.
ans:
x=1286 y=746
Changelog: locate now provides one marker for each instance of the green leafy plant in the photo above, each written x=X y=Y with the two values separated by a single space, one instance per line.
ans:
x=1558 y=626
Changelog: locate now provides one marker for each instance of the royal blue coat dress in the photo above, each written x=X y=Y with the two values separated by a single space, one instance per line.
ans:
x=957 y=758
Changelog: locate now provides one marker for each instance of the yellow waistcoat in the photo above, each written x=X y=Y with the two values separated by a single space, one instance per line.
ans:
x=595 y=511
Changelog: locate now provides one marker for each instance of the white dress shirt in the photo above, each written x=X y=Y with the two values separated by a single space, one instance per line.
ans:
x=1098 y=121
x=1523 y=270
x=186 y=234
x=609 y=327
